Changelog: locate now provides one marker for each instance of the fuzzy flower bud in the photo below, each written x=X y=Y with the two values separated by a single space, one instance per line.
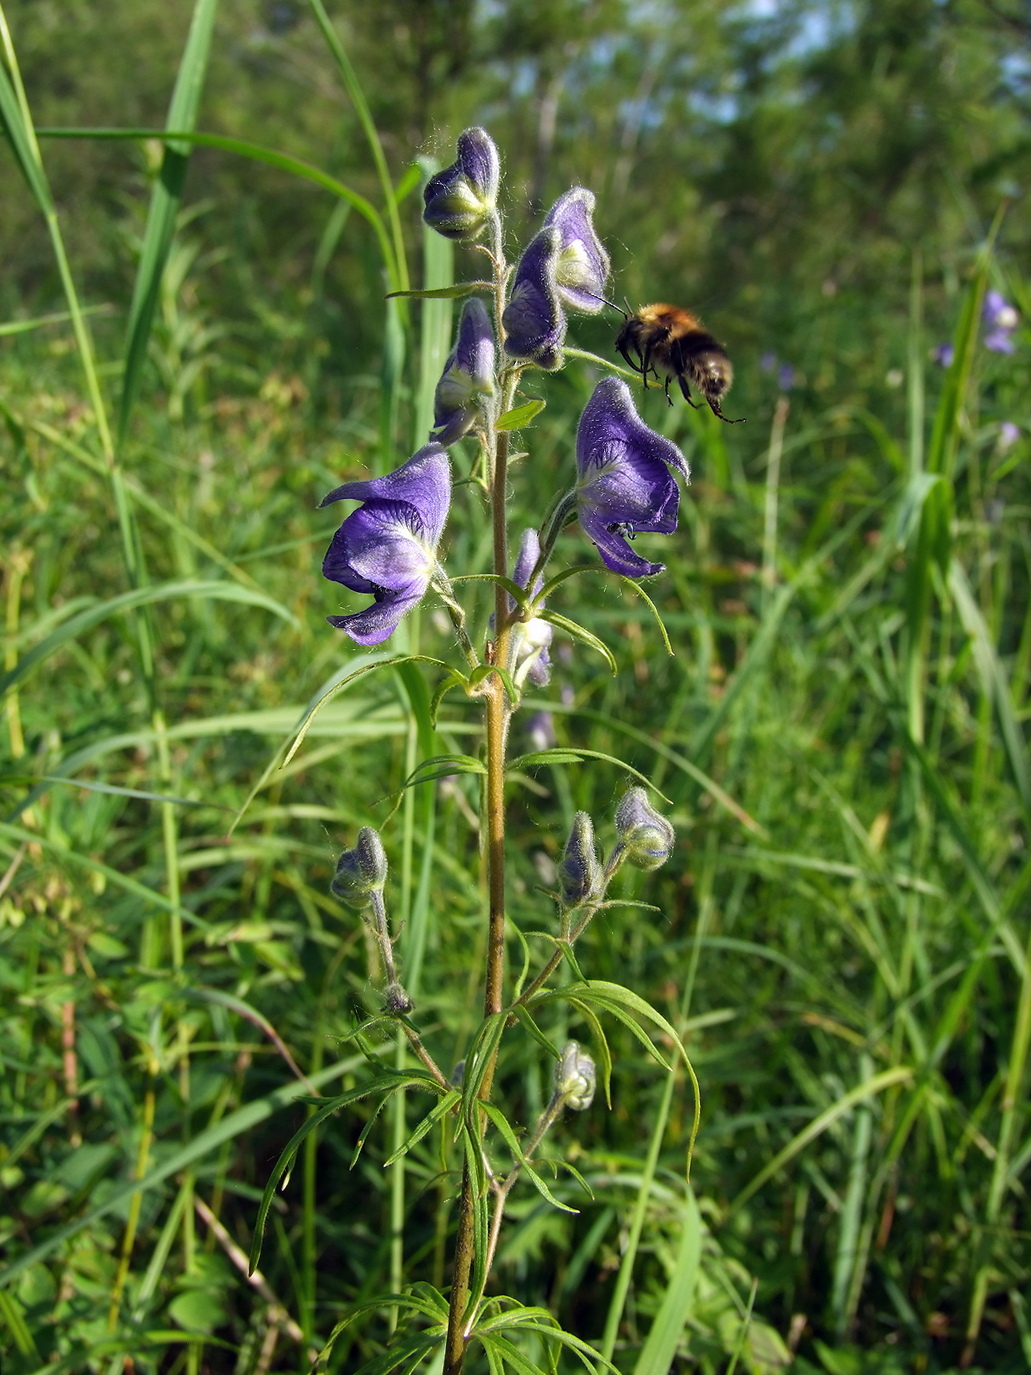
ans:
x=534 y=321
x=575 y=1077
x=360 y=872
x=397 y=1002
x=461 y=199
x=468 y=375
x=646 y=836
x=579 y=874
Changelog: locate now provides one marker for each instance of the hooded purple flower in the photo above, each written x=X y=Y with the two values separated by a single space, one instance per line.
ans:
x=943 y=355
x=387 y=547
x=582 y=267
x=1000 y=320
x=531 y=639
x=534 y=321
x=468 y=374
x=625 y=482
x=461 y=199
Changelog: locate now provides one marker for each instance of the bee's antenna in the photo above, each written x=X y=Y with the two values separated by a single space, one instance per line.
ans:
x=611 y=304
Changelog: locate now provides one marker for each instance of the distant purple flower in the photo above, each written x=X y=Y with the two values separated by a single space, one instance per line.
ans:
x=1000 y=341
x=461 y=199
x=943 y=355
x=540 y=730
x=582 y=268
x=768 y=361
x=1009 y=433
x=468 y=375
x=997 y=313
x=1000 y=320
x=785 y=377
x=625 y=482
x=532 y=638
x=534 y=320
x=387 y=547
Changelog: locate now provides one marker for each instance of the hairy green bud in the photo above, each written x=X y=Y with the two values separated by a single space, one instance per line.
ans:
x=360 y=872
x=644 y=834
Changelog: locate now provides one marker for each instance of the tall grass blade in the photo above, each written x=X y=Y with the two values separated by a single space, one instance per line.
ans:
x=165 y=202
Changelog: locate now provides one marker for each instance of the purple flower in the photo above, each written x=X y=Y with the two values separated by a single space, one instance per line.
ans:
x=785 y=377
x=461 y=200
x=387 y=547
x=1000 y=320
x=768 y=361
x=468 y=375
x=582 y=267
x=1000 y=341
x=997 y=313
x=531 y=639
x=944 y=354
x=534 y=321
x=625 y=482
x=1009 y=433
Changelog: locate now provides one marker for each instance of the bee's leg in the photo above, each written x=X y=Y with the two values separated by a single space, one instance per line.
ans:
x=669 y=399
x=685 y=391
x=627 y=359
x=714 y=406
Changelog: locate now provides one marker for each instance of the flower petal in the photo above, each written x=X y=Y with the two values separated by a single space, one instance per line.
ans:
x=625 y=484
x=534 y=320
x=582 y=266
x=424 y=482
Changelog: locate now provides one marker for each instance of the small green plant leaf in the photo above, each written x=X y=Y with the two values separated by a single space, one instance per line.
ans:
x=581 y=633
x=519 y=416
x=444 y=293
x=435 y=1115
x=443 y=766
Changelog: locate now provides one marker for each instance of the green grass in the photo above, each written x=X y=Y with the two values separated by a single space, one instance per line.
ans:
x=842 y=936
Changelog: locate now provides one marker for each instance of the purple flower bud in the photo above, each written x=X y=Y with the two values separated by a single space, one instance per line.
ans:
x=397 y=1003
x=531 y=639
x=645 y=835
x=387 y=547
x=582 y=266
x=625 y=485
x=579 y=874
x=461 y=200
x=468 y=375
x=943 y=355
x=575 y=1077
x=360 y=872
x=534 y=321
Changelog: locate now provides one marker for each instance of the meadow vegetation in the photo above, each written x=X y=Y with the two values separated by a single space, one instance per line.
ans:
x=195 y=347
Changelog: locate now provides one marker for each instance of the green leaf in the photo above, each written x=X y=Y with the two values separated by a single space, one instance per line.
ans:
x=442 y=766
x=675 y=1311
x=444 y=293
x=439 y=1111
x=165 y=202
x=512 y=1142
x=581 y=633
x=387 y=1082
x=574 y=756
x=519 y=416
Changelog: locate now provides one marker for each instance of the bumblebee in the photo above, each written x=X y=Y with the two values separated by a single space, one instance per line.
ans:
x=663 y=339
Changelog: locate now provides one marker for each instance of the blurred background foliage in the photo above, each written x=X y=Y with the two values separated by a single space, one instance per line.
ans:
x=817 y=180
x=774 y=166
